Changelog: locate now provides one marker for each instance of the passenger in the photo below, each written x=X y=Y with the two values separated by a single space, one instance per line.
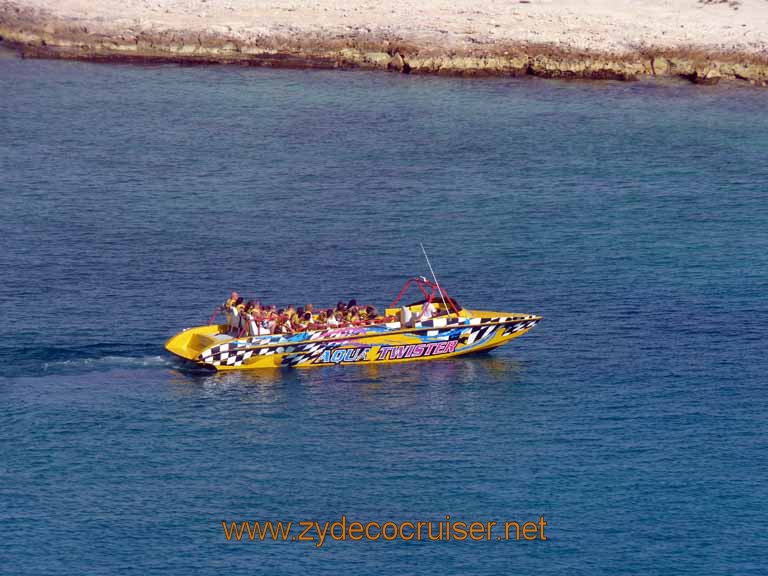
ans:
x=258 y=323
x=309 y=308
x=305 y=320
x=242 y=325
x=232 y=299
x=288 y=312
x=274 y=321
x=372 y=313
x=256 y=319
x=283 y=325
x=236 y=316
x=321 y=322
x=251 y=328
x=406 y=317
x=341 y=307
x=267 y=321
x=331 y=318
x=227 y=307
x=295 y=318
x=352 y=303
x=264 y=320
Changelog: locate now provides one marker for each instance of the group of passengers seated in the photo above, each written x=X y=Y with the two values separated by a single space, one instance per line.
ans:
x=252 y=318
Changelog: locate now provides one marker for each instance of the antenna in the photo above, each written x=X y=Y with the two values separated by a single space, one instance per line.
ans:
x=435 y=279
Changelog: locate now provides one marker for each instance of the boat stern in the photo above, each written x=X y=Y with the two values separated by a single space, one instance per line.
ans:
x=190 y=343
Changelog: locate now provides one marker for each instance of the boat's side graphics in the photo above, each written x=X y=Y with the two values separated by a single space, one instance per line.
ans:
x=230 y=354
x=330 y=353
x=417 y=350
x=431 y=339
x=351 y=353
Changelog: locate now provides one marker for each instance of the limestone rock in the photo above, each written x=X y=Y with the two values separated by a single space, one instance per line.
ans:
x=708 y=78
x=39 y=33
x=660 y=66
x=378 y=59
x=396 y=63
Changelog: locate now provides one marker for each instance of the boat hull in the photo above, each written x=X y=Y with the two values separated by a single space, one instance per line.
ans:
x=435 y=339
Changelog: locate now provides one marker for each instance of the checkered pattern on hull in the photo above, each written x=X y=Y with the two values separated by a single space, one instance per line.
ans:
x=517 y=326
x=229 y=354
x=236 y=353
x=305 y=351
x=477 y=335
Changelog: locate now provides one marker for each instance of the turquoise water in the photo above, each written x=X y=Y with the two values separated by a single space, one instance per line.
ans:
x=631 y=216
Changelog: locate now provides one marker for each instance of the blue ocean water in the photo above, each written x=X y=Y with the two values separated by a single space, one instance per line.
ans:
x=631 y=216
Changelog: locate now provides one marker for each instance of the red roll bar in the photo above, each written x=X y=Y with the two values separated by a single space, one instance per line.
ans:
x=216 y=312
x=430 y=290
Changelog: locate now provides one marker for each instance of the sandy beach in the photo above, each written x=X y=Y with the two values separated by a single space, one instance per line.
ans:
x=701 y=40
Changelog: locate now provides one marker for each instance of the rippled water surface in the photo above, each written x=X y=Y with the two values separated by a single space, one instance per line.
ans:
x=631 y=216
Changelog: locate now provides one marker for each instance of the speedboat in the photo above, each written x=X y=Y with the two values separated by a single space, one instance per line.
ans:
x=435 y=327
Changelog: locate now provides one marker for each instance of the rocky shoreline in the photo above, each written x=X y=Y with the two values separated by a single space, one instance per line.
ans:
x=37 y=33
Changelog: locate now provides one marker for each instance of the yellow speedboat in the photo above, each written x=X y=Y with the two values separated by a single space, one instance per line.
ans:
x=450 y=331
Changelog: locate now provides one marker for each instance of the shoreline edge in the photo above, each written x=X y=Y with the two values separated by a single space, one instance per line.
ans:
x=38 y=34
